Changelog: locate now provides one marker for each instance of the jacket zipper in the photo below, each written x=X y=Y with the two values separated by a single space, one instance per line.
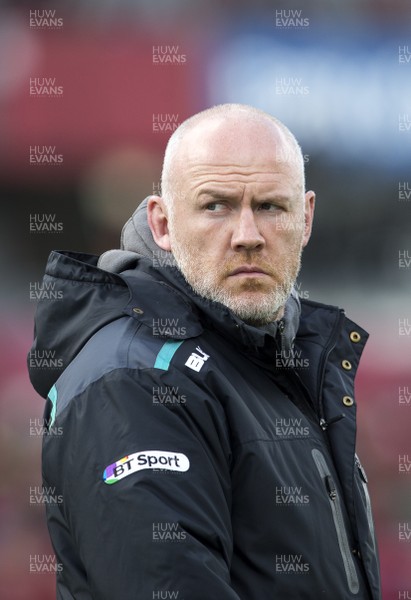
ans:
x=281 y=327
x=308 y=407
x=364 y=482
x=335 y=504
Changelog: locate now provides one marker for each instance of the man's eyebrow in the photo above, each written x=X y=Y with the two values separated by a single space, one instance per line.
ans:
x=215 y=193
x=226 y=195
x=276 y=198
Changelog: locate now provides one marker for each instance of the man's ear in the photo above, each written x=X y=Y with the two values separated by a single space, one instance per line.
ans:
x=309 y=205
x=158 y=222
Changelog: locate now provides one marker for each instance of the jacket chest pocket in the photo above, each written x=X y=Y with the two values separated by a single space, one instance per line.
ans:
x=338 y=518
x=362 y=484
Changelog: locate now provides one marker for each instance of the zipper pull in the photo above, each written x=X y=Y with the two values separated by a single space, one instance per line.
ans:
x=325 y=424
x=280 y=329
x=329 y=483
x=361 y=470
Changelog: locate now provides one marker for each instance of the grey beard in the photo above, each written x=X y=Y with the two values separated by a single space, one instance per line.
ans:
x=253 y=312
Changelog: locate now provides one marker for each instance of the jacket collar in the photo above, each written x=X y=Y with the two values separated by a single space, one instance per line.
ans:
x=162 y=295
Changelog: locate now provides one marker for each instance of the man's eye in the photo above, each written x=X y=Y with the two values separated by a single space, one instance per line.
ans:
x=269 y=206
x=215 y=206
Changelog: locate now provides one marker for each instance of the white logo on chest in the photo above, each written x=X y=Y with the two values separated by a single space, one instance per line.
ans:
x=196 y=359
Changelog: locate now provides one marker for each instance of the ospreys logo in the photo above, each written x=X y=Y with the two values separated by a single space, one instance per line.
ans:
x=146 y=459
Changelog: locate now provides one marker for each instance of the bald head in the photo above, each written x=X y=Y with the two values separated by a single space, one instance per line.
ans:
x=233 y=210
x=225 y=134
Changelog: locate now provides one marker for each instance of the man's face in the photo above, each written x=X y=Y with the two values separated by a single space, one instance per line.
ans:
x=237 y=225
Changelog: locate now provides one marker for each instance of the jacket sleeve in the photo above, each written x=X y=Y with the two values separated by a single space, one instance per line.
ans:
x=144 y=472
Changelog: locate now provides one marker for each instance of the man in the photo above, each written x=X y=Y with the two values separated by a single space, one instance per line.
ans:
x=202 y=429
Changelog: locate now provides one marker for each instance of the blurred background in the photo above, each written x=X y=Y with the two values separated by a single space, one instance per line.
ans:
x=91 y=90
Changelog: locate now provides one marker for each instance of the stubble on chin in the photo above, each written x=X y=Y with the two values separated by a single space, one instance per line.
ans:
x=255 y=302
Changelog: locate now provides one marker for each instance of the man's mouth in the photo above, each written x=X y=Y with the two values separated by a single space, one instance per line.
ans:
x=248 y=271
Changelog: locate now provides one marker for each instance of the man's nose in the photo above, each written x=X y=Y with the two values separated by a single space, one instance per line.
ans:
x=246 y=235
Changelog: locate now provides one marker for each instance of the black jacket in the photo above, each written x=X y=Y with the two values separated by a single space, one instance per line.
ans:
x=193 y=460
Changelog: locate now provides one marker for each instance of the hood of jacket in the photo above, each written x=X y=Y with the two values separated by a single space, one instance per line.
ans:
x=142 y=281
